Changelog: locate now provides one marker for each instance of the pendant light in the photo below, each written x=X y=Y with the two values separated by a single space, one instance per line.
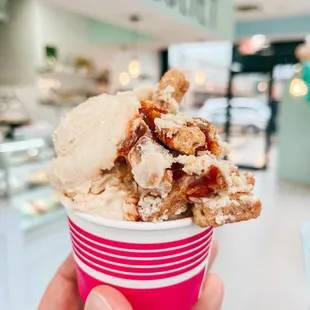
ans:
x=134 y=64
x=298 y=88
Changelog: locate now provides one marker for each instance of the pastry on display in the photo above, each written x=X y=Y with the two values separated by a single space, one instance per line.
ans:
x=40 y=206
x=135 y=157
x=38 y=177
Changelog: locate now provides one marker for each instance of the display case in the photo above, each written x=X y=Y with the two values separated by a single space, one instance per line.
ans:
x=23 y=180
x=34 y=238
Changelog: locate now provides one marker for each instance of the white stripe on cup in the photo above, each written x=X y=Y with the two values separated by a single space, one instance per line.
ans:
x=76 y=246
x=145 y=274
x=138 y=284
x=75 y=233
x=147 y=258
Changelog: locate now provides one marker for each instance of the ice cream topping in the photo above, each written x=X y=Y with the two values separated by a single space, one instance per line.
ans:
x=134 y=157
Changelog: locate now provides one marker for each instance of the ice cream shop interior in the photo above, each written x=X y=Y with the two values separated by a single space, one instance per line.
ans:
x=245 y=68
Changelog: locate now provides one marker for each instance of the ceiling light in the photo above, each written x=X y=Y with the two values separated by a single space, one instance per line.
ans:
x=200 y=78
x=298 y=88
x=134 y=68
x=124 y=78
x=134 y=64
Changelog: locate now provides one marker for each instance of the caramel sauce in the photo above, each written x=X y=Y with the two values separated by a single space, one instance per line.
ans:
x=214 y=147
x=177 y=171
x=211 y=143
x=132 y=139
x=149 y=113
x=205 y=184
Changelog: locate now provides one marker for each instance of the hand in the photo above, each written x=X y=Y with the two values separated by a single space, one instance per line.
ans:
x=62 y=293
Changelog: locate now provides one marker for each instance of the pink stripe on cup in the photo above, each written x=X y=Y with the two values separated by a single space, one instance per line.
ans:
x=143 y=254
x=148 y=263
x=139 y=269
x=145 y=276
x=139 y=246
x=181 y=296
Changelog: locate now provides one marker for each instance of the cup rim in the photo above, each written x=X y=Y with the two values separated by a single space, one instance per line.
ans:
x=132 y=225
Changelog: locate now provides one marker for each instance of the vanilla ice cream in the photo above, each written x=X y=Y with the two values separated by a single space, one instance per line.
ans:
x=86 y=146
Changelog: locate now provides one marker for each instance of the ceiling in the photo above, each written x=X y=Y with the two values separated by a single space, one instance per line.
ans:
x=168 y=30
x=163 y=27
x=274 y=8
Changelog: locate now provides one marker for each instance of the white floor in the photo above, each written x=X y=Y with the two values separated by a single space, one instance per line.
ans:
x=261 y=261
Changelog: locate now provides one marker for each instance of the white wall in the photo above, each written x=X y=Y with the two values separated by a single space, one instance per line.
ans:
x=17 y=39
x=66 y=31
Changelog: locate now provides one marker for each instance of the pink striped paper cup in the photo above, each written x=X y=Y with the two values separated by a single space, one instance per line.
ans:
x=156 y=266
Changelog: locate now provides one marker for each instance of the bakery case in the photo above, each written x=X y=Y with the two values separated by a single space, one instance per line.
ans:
x=33 y=228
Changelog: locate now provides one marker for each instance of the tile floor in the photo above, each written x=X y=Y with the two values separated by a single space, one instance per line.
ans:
x=262 y=262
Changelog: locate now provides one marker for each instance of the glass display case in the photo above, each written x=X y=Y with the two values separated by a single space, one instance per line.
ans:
x=12 y=114
x=34 y=237
x=23 y=180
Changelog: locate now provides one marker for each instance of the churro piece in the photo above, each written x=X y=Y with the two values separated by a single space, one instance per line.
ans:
x=177 y=132
x=131 y=213
x=144 y=152
x=186 y=190
x=219 y=210
x=135 y=130
x=155 y=208
x=171 y=90
x=196 y=181
x=241 y=182
x=214 y=144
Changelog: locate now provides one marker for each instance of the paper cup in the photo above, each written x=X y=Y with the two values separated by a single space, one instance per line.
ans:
x=156 y=266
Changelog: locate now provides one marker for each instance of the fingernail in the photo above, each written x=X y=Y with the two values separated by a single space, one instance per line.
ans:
x=95 y=301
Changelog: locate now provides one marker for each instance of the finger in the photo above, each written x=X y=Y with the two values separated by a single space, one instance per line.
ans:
x=62 y=292
x=212 y=294
x=106 y=298
x=68 y=270
x=213 y=254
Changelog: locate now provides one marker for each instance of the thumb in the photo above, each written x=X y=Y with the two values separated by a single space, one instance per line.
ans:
x=106 y=298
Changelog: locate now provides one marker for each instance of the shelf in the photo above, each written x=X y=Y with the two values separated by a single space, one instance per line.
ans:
x=41 y=220
x=60 y=104
x=19 y=199
x=64 y=73
x=22 y=145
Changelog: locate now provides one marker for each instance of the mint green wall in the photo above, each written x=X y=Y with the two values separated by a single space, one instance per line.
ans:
x=294 y=139
x=103 y=33
x=225 y=17
x=290 y=26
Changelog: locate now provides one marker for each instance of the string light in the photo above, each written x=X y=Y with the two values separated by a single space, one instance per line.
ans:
x=298 y=88
x=200 y=78
x=134 y=68
x=262 y=86
x=124 y=78
x=134 y=64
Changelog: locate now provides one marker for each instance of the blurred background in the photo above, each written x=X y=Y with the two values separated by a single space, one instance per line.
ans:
x=248 y=63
